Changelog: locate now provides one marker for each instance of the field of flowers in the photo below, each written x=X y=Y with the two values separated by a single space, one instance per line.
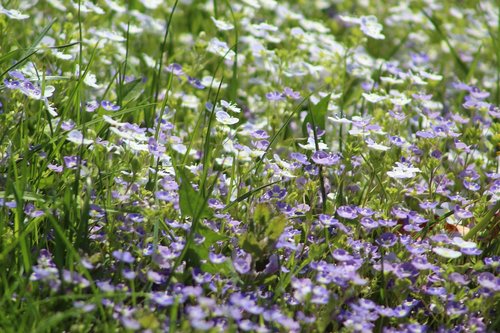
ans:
x=249 y=166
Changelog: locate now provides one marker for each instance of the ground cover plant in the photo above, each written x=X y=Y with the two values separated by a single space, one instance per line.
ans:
x=250 y=165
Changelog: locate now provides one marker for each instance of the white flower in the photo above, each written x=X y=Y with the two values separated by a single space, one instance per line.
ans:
x=76 y=136
x=373 y=98
x=61 y=55
x=402 y=171
x=219 y=47
x=340 y=120
x=222 y=25
x=224 y=118
x=311 y=145
x=463 y=244
x=447 y=253
x=391 y=80
x=109 y=35
x=151 y=4
x=230 y=106
x=431 y=76
x=91 y=81
x=190 y=101
x=13 y=13
x=368 y=24
x=371 y=27
x=373 y=145
x=350 y=19
x=114 y=6
x=400 y=100
x=57 y=4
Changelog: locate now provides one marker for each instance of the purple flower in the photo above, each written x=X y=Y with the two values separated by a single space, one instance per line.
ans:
x=324 y=158
x=347 y=212
x=492 y=261
x=455 y=308
x=71 y=161
x=242 y=264
x=260 y=134
x=387 y=239
x=458 y=278
x=91 y=106
x=471 y=186
x=435 y=291
x=386 y=223
x=301 y=158
x=396 y=140
x=216 y=258
x=162 y=298
x=365 y=211
x=276 y=192
x=288 y=92
x=425 y=134
x=342 y=255
x=175 y=69
x=421 y=263
x=275 y=96
x=428 y=205
x=124 y=256
x=109 y=106
x=368 y=223
x=55 y=168
x=489 y=281
x=195 y=83
x=461 y=213
x=11 y=84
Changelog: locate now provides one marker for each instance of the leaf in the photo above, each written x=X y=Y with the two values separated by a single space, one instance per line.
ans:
x=317 y=114
x=275 y=228
x=191 y=202
x=250 y=244
x=261 y=215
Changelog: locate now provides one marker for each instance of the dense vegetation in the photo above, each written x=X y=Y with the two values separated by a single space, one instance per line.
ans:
x=250 y=165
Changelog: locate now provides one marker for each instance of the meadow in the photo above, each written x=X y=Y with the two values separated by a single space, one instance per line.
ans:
x=249 y=166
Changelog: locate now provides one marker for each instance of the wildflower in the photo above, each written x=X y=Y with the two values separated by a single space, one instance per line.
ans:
x=230 y=106
x=402 y=171
x=324 y=158
x=368 y=24
x=13 y=13
x=347 y=212
x=224 y=118
x=222 y=25
x=446 y=253
x=109 y=106
x=275 y=96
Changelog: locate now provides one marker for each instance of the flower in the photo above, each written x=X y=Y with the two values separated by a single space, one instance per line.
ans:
x=275 y=96
x=109 y=106
x=402 y=171
x=368 y=24
x=324 y=158
x=124 y=256
x=222 y=25
x=489 y=281
x=224 y=118
x=446 y=253
x=347 y=212
x=230 y=106
x=13 y=13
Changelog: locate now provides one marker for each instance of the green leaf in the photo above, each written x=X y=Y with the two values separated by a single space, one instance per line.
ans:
x=275 y=228
x=261 y=215
x=191 y=202
x=317 y=115
x=250 y=244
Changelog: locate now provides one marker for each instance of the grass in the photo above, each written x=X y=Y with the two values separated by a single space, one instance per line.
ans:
x=296 y=166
